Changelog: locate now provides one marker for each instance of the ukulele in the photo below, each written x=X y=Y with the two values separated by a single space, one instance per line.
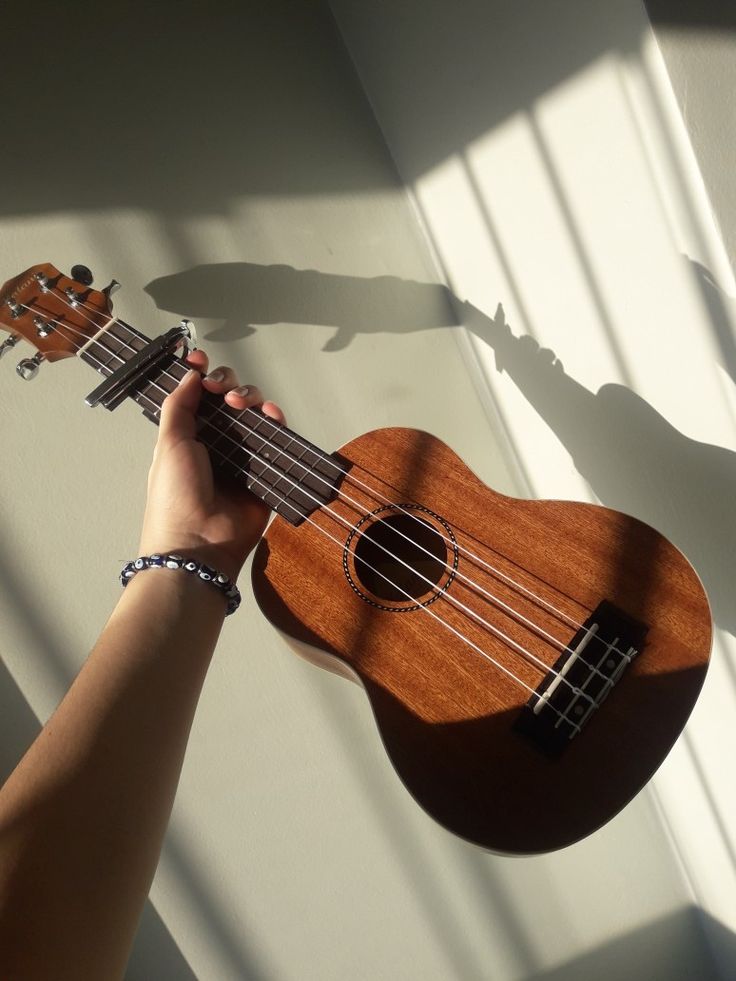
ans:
x=529 y=663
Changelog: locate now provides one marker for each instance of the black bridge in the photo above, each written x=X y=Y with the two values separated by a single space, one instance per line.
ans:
x=581 y=679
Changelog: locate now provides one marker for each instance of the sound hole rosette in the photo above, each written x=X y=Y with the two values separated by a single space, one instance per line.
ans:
x=409 y=532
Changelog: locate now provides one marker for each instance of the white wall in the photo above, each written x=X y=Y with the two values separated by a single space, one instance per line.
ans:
x=697 y=42
x=224 y=159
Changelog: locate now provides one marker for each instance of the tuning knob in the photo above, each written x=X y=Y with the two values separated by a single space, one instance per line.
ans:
x=43 y=327
x=28 y=367
x=9 y=343
x=82 y=274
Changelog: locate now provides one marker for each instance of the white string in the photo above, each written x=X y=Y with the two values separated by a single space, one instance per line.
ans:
x=496 y=631
x=281 y=451
x=500 y=634
x=476 y=558
x=537 y=628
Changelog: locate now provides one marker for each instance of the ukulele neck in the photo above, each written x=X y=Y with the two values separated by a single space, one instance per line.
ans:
x=292 y=476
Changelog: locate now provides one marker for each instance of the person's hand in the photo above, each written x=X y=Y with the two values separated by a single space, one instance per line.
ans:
x=186 y=511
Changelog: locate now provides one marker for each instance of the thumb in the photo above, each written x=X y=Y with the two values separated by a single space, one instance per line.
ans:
x=179 y=408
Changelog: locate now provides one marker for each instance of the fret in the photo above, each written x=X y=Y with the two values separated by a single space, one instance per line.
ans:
x=118 y=344
x=295 y=460
x=100 y=356
x=162 y=382
x=286 y=463
x=237 y=463
x=131 y=334
x=220 y=430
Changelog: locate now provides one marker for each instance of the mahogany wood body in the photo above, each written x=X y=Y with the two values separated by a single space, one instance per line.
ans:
x=446 y=713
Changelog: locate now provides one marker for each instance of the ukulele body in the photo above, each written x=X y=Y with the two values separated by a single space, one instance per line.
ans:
x=448 y=714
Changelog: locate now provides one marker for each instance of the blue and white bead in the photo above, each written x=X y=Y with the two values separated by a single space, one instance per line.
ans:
x=172 y=561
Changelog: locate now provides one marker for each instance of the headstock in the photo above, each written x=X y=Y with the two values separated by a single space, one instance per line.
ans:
x=57 y=314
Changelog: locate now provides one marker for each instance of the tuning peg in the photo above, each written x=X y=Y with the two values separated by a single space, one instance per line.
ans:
x=82 y=274
x=28 y=367
x=43 y=327
x=9 y=343
x=112 y=287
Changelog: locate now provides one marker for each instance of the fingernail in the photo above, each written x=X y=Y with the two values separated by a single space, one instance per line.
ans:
x=188 y=376
x=216 y=376
x=243 y=390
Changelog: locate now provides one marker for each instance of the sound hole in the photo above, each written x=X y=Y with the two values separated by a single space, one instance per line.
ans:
x=404 y=557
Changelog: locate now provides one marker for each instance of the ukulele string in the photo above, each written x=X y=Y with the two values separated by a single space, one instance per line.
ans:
x=474 y=585
x=595 y=669
x=494 y=599
x=350 y=476
x=576 y=691
x=468 y=553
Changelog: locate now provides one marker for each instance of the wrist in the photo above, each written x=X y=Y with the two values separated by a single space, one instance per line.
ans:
x=205 y=553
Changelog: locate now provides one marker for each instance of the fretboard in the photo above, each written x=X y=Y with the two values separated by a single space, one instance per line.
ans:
x=291 y=475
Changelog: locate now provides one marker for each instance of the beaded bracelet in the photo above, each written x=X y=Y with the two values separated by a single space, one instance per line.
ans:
x=220 y=581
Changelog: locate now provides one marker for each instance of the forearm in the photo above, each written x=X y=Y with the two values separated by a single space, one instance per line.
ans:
x=83 y=816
